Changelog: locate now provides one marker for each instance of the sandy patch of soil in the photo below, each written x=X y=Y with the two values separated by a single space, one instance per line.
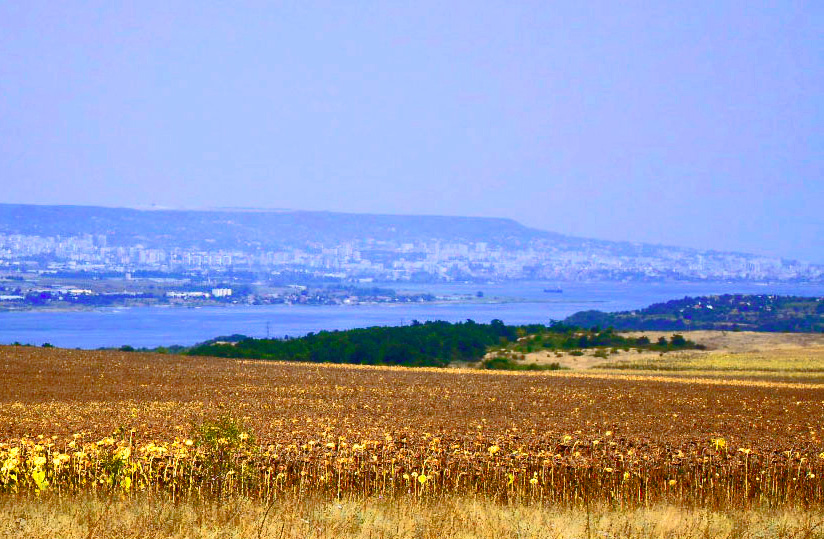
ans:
x=715 y=341
x=589 y=360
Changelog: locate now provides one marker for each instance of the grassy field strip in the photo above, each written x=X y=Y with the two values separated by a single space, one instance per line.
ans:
x=641 y=376
x=463 y=518
x=808 y=379
x=692 y=380
x=810 y=360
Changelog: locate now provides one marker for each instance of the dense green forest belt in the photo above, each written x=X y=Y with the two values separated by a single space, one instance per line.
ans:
x=730 y=312
x=427 y=344
x=435 y=344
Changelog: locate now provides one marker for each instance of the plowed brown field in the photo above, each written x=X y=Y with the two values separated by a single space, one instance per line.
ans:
x=338 y=429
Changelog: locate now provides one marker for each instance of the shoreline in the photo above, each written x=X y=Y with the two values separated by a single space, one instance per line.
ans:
x=462 y=301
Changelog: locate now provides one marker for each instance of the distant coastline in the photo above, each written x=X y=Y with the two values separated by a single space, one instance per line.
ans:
x=223 y=305
x=514 y=303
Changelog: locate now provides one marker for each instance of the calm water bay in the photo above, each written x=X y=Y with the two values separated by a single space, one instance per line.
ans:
x=518 y=303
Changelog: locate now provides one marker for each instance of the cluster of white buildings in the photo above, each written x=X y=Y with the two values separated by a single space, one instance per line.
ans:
x=389 y=260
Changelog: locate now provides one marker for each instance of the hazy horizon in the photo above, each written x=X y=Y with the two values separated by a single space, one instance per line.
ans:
x=298 y=210
x=694 y=125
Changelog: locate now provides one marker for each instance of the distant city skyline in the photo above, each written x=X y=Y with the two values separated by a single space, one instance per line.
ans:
x=664 y=244
x=89 y=241
x=685 y=124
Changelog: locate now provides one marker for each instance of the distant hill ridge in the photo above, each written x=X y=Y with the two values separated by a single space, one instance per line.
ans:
x=392 y=246
x=244 y=227
x=729 y=312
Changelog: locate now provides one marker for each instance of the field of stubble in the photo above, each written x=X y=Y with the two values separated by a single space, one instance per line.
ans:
x=123 y=428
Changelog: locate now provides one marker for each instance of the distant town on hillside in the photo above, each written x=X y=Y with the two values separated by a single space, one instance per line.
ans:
x=349 y=248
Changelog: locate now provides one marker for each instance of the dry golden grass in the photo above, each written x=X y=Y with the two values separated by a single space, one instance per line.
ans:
x=743 y=341
x=791 y=358
x=458 y=518
x=780 y=361
x=726 y=350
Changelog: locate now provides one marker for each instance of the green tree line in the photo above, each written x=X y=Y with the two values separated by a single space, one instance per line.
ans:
x=433 y=344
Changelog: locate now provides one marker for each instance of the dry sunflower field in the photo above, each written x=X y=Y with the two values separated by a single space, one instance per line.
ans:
x=289 y=444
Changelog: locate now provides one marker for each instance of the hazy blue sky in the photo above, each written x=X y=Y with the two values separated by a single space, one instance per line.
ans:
x=690 y=123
